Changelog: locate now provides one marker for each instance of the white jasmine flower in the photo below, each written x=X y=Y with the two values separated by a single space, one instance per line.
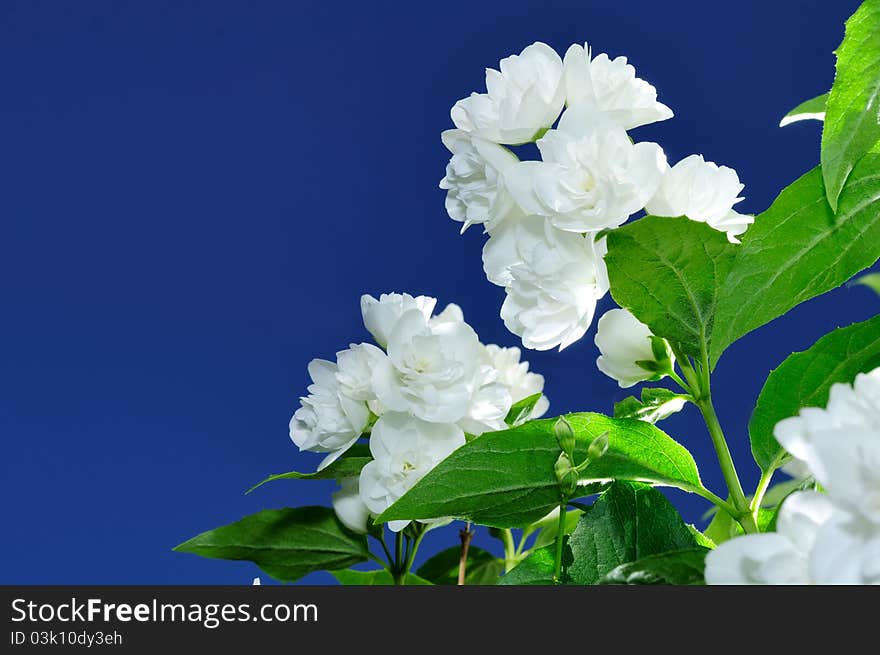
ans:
x=510 y=244
x=623 y=340
x=611 y=86
x=404 y=450
x=489 y=404
x=522 y=99
x=430 y=369
x=515 y=375
x=349 y=507
x=355 y=370
x=592 y=176
x=381 y=315
x=553 y=287
x=476 y=194
x=704 y=192
x=327 y=421
x=781 y=557
x=451 y=314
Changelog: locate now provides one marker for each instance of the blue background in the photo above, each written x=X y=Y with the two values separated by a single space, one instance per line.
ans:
x=193 y=196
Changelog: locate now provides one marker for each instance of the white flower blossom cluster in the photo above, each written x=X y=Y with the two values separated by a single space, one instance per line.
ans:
x=830 y=538
x=428 y=383
x=546 y=219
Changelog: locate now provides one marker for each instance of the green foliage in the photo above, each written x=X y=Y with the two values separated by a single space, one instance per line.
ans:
x=627 y=523
x=506 y=479
x=813 y=109
x=286 y=543
x=522 y=409
x=376 y=577
x=348 y=465
x=536 y=569
x=871 y=280
x=483 y=568
x=804 y=379
x=655 y=405
x=549 y=527
x=851 y=120
x=681 y=567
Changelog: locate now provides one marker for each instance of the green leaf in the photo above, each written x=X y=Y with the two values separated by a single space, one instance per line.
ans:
x=286 y=543
x=699 y=538
x=377 y=577
x=799 y=249
x=668 y=272
x=536 y=569
x=627 y=523
x=805 y=378
x=655 y=405
x=813 y=109
x=549 y=526
x=349 y=465
x=506 y=479
x=682 y=567
x=723 y=526
x=851 y=120
x=483 y=568
x=522 y=409
x=871 y=280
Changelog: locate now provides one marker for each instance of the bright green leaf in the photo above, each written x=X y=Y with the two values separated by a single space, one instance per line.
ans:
x=871 y=280
x=668 y=272
x=627 y=523
x=804 y=379
x=506 y=479
x=700 y=539
x=852 y=123
x=286 y=543
x=682 y=567
x=483 y=568
x=522 y=409
x=799 y=249
x=813 y=109
x=349 y=465
x=536 y=569
x=549 y=527
x=377 y=577
x=655 y=405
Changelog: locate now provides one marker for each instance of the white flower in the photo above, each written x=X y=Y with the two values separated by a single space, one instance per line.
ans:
x=327 y=421
x=592 y=176
x=611 y=86
x=349 y=507
x=553 y=280
x=704 y=192
x=781 y=557
x=404 y=450
x=256 y=582
x=430 y=369
x=840 y=445
x=622 y=341
x=490 y=401
x=355 y=370
x=476 y=194
x=525 y=97
x=515 y=375
x=381 y=315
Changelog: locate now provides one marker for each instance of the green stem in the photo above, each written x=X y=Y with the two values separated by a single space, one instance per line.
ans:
x=560 y=540
x=414 y=548
x=684 y=385
x=712 y=498
x=381 y=540
x=510 y=553
x=761 y=490
x=398 y=572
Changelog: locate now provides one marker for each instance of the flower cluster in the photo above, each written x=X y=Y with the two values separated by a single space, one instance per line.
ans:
x=427 y=384
x=831 y=538
x=546 y=219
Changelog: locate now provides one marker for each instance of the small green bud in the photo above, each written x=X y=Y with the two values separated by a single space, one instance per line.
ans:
x=566 y=475
x=649 y=365
x=660 y=349
x=564 y=436
x=598 y=447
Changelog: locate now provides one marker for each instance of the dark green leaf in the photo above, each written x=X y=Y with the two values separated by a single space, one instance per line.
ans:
x=804 y=379
x=536 y=569
x=851 y=119
x=506 y=479
x=799 y=249
x=522 y=409
x=813 y=109
x=286 y=543
x=483 y=568
x=628 y=522
x=655 y=405
x=682 y=567
x=668 y=272
x=377 y=577
x=348 y=465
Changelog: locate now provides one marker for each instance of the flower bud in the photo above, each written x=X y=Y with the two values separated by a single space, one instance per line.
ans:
x=598 y=447
x=566 y=475
x=565 y=436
